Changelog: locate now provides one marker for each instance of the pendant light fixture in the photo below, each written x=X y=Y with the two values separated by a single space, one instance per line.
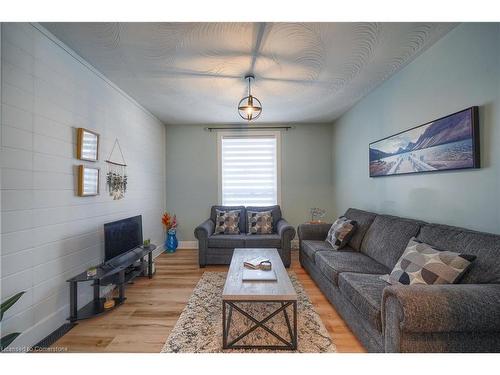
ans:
x=249 y=108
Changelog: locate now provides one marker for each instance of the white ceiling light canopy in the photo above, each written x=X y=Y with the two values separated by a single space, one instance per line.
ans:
x=249 y=108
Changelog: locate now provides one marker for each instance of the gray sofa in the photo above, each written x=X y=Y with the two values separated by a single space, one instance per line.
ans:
x=218 y=248
x=462 y=317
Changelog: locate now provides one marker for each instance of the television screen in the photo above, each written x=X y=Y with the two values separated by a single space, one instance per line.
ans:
x=122 y=236
x=451 y=142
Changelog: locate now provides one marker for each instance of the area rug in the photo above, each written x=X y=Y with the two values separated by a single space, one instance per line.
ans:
x=199 y=328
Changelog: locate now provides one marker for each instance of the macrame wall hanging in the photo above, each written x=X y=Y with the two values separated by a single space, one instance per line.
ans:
x=116 y=176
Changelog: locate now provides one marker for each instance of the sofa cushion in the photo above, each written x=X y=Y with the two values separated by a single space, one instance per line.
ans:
x=423 y=264
x=227 y=222
x=363 y=219
x=263 y=240
x=387 y=237
x=341 y=232
x=227 y=240
x=485 y=246
x=275 y=211
x=365 y=293
x=311 y=247
x=243 y=215
x=332 y=263
x=259 y=222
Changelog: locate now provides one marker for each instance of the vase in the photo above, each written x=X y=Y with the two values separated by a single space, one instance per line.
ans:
x=171 y=242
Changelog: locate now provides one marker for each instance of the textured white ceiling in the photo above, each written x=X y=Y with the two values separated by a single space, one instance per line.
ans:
x=193 y=72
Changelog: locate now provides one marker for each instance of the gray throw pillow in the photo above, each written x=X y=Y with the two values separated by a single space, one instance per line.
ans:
x=423 y=264
x=341 y=232
x=227 y=222
x=260 y=222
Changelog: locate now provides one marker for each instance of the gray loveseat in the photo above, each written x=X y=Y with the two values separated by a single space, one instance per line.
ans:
x=218 y=248
x=462 y=317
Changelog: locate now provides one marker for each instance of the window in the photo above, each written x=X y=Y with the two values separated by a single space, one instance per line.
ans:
x=249 y=170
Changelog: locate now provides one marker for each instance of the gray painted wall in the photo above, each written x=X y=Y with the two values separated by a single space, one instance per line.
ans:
x=459 y=71
x=192 y=173
x=48 y=234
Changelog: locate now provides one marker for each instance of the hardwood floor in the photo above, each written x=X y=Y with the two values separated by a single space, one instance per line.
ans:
x=144 y=321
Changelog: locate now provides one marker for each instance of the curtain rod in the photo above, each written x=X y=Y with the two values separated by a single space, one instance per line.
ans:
x=248 y=128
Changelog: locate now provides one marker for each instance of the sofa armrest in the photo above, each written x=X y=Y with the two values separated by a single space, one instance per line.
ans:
x=316 y=232
x=286 y=233
x=205 y=229
x=284 y=229
x=441 y=308
x=202 y=232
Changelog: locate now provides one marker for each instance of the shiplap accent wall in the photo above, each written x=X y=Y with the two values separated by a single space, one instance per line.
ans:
x=48 y=233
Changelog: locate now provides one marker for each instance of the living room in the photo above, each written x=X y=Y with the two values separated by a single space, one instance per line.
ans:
x=250 y=187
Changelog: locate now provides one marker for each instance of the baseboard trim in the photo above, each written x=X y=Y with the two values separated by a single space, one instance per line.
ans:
x=158 y=251
x=188 y=245
x=194 y=244
x=49 y=340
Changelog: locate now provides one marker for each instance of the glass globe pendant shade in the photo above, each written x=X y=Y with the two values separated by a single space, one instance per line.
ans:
x=249 y=108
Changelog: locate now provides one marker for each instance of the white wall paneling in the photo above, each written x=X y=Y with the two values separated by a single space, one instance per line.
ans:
x=48 y=233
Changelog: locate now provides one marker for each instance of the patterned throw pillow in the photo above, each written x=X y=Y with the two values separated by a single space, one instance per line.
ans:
x=260 y=222
x=423 y=264
x=227 y=222
x=341 y=232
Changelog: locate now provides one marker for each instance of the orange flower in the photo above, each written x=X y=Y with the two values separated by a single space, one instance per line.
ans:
x=168 y=221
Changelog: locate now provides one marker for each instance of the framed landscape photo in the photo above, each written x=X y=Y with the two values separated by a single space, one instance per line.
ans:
x=88 y=181
x=87 y=145
x=448 y=143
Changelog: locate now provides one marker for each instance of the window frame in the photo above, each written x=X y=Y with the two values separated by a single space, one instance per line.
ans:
x=249 y=134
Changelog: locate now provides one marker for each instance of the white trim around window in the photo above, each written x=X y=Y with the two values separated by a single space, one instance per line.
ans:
x=231 y=169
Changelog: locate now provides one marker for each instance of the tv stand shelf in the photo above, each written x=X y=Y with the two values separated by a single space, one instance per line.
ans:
x=113 y=272
x=95 y=308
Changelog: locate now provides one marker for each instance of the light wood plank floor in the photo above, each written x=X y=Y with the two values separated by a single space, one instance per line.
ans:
x=144 y=321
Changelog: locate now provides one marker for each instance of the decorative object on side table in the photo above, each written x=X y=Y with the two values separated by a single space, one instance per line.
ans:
x=116 y=177
x=316 y=215
x=146 y=243
x=170 y=224
x=110 y=302
x=92 y=271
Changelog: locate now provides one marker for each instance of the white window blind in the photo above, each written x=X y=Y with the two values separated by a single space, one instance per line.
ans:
x=249 y=169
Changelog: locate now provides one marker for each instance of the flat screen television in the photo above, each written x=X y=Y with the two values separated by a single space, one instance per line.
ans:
x=122 y=236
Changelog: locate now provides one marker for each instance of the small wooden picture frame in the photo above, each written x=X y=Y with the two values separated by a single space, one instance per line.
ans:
x=87 y=145
x=88 y=181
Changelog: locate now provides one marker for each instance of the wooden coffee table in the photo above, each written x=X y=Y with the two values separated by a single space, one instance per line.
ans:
x=279 y=292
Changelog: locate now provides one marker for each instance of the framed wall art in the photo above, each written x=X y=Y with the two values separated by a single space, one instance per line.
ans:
x=87 y=145
x=88 y=181
x=448 y=143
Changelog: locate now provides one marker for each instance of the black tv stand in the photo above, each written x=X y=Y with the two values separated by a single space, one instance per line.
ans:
x=118 y=272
